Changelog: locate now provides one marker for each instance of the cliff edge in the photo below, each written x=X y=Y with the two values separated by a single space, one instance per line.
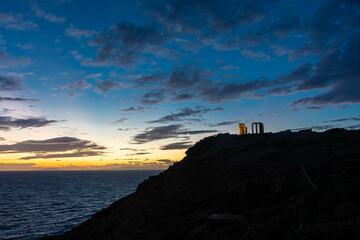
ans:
x=283 y=185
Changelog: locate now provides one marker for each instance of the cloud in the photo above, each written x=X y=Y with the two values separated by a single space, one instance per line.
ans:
x=124 y=43
x=186 y=112
x=121 y=120
x=46 y=16
x=78 y=34
x=319 y=128
x=7 y=61
x=8 y=83
x=148 y=79
x=15 y=22
x=166 y=161
x=193 y=82
x=255 y=55
x=76 y=55
x=353 y=127
x=132 y=149
x=132 y=109
x=165 y=132
x=355 y=119
x=123 y=129
x=106 y=86
x=203 y=16
x=8 y=122
x=337 y=74
x=138 y=154
x=62 y=147
x=177 y=145
x=152 y=97
x=17 y=99
x=224 y=123
x=78 y=86
x=64 y=155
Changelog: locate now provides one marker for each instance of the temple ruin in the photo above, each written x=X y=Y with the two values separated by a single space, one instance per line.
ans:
x=256 y=128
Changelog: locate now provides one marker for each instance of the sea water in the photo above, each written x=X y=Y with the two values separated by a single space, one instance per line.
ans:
x=38 y=204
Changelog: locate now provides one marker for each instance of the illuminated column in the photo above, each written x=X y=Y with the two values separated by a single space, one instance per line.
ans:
x=242 y=129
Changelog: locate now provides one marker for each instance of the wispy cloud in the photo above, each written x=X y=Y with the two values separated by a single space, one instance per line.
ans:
x=63 y=147
x=186 y=112
x=15 y=22
x=177 y=145
x=46 y=16
x=17 y=99
x=224 y=123
x=8 y=61
x=9 y=83
x=6 y=123
x=107 y=86
x=78 y=34
x=165 y=132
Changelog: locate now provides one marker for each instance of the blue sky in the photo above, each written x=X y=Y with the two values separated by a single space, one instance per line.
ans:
x=133 y=84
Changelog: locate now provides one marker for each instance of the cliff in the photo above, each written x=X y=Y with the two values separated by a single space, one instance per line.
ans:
x=273 y=186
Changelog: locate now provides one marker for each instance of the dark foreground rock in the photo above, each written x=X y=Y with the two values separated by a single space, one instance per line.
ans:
x=252 y=177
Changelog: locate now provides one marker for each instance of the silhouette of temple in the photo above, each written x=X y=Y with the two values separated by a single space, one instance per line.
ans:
x=256 y=128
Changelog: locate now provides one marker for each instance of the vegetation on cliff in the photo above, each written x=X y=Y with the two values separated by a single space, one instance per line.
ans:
x=252 y=177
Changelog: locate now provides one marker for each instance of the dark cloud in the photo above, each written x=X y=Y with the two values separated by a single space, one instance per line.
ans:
x=132 y=149
x=8 y=83
x=192 y=82
x=225 y=123
x=125 y=42
x=177 y=145
x=165 y=161
x=186 y=77
x=353 y=127
x=8 y=122
x=138 y=154
x=319 y=128
x=216 y=92
x=148 y=79
x=165 y=132
x=64 y=155
x=123 y=129
x=152 y=97
x=336 y=73
x=121 y=120
x=132 y=109
x=106 y=86
x=186 y=112
x=17 y=99
x=62 y=144
x=78 y=86
x=355 y=119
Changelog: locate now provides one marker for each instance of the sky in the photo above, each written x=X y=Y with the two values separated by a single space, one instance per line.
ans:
x=102 y=85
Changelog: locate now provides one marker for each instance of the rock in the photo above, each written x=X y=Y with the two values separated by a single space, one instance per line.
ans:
x=252 y=177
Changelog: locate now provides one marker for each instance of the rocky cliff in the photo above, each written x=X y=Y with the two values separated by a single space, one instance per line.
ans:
x=283 y=185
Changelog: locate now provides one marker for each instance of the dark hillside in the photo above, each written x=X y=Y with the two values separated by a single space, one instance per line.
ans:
x=254 y=178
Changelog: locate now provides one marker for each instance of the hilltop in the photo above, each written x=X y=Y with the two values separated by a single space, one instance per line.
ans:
x=283 y=185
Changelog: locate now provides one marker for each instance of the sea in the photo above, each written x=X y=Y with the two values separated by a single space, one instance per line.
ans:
x=39 y=204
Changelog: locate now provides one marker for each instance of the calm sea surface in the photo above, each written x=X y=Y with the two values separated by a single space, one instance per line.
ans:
x=37 y=204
